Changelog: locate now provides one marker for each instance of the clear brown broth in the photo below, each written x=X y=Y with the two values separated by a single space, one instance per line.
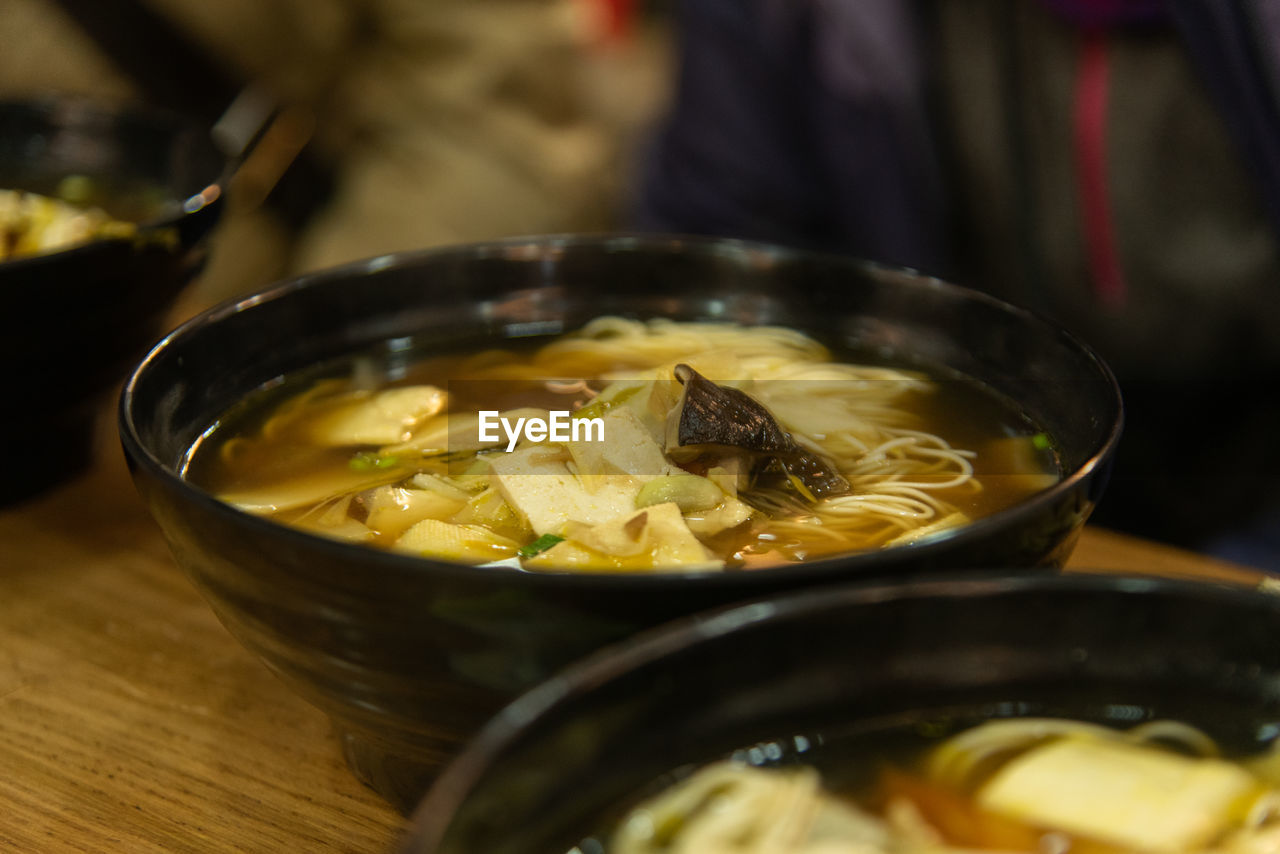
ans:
x=965 y=413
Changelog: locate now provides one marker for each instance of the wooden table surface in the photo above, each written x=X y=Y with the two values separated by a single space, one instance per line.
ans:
x=130 y=720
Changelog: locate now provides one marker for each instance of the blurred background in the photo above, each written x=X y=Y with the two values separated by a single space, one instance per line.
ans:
x=1115 y=165
x=408 y=124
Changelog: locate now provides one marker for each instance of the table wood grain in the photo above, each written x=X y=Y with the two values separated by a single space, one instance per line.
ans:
x=130 y=720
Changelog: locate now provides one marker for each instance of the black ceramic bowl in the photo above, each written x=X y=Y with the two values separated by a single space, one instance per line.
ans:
x=75 y=320
x=409 y=655
x=813 y=677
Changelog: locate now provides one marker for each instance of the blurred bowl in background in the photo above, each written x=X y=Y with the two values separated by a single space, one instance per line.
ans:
x=823 y=678
x=74 y=320
x=410 y=655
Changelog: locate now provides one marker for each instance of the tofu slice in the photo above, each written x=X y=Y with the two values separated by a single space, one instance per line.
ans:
x=649 y=396
x=1138 y=798
x=542 y=489
x=653 y=538
x=628 y=448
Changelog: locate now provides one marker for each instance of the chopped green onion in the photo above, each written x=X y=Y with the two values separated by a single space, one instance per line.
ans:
x=1040 y=441
x=690 y=492
x=365 y=461
x=539 y=545
x=601 y=405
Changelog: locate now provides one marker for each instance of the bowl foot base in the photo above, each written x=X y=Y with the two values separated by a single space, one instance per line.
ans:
x=399 y=781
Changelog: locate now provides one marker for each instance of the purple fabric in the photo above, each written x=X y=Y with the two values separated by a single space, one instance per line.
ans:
x=777 y=133
x=1109 y=13
x=780 y=134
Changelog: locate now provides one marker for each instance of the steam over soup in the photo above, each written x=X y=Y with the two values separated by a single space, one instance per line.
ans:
x=628 y=446
x=1045 y=785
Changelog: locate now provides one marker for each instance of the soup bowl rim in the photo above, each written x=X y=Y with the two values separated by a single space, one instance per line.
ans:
x=140 y=453
x=167 y=215
x=432 y=816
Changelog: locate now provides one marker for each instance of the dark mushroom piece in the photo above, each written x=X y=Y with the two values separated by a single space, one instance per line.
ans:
x=710 y=417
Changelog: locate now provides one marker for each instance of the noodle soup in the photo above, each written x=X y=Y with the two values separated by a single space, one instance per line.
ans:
x=1023 y=784
x=627 y=446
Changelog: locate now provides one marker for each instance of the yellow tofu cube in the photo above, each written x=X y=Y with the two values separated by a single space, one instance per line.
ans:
x=541 y=488
x=627 y=448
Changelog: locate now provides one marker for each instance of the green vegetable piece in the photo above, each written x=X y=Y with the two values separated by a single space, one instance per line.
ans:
x=603 y=404
x=595 y=409
x=539 y=545
x=689 y=491
x=366 y=461
x=1040 y=441
x=76 y=189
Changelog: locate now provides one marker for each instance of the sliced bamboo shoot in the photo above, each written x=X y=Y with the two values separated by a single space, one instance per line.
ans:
x=1128 y=795
x=393 y=509
x=309 y=488
x=460 y=543
x=653 y=538
x=378 y=419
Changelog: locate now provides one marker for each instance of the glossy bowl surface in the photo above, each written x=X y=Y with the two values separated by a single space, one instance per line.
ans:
x=409 y=655
x=75 y=320
x=798 y=676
